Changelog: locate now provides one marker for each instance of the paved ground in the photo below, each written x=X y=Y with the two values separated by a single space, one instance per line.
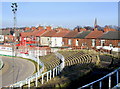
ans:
x=15 y=69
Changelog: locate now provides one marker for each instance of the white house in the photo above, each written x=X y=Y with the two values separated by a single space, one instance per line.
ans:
x=53 y=38
x=57 y=39
x=1 y=36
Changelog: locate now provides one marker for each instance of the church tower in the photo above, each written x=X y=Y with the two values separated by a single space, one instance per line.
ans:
x=95 y=23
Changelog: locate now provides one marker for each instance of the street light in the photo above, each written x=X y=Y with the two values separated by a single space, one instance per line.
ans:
x=14 y=10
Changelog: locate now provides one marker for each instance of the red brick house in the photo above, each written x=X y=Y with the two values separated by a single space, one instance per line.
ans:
x=80 y=39
x=32 y=36
x=92 y=38
x=68 y=39
x=111 y=38
x=53 y=38
x=108 y=29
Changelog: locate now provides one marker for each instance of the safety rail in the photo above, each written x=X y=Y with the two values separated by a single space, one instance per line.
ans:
x=90 y=85
x=49 y=74
x=1 y=64
x=27 y=80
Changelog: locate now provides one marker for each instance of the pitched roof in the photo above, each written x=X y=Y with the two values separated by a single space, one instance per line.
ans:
x=71 y=34
x=94 y=34
x=61 y=33
x=33 y=33
x=39 y=33
x=49 y=33
x=6 y=32
x=82 y=34
x=25 y=34
x=108 y=29
x=17 y=33
x=1 y=32
x=112 y=35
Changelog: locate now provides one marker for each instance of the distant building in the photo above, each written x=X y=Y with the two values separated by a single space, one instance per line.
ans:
x=1 y=36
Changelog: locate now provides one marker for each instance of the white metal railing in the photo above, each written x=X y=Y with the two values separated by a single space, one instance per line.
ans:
x=31 y=78
x=61 y=57
x=49 y=74
x=1 y=64
x=90 y=85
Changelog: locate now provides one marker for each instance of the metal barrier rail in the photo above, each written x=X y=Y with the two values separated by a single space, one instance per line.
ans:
x=1 y=64
x=90 y=85
x=51 y=73
x=27 y=80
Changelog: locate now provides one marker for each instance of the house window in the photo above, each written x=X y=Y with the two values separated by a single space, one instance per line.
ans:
x=77 y=42
x=110 y=45
x=62 y=43
x=84 y=44
x=55 y=42
x=93 y=42
x=102 y=42
x=50 y=42
x=69 y=42
x=118 y=43
x=38 y=39
x=48 y=39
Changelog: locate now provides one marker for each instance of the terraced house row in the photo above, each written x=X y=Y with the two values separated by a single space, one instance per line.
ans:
x=108 y=39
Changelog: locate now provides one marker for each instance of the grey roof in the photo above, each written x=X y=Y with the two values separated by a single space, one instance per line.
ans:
x=28 y=31
x=0 y=32
x=5 y=32
x=17 y=33
x=111 y=35
x=82 y=34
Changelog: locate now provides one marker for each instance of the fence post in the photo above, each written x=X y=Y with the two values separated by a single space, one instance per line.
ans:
x=110 y=82
x=26 y=80
x=20 y=85
x=117 y=76
x=38 y=64
x=53 y=73
x=50 y=74
x=11 y=87
x=100 y=85
x=42 y=78
x=36 y=80
x=91 y=87
x=29 y=84
x=47 y=76
x=56 y=71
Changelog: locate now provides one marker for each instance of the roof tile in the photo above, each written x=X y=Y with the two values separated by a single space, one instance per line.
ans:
x=94 y=34
x=71 y=34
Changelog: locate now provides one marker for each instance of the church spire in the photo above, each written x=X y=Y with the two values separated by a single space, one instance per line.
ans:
x=95 y=23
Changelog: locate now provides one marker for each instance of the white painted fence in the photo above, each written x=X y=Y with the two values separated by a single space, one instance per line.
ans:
x=42 y=76
x=1 y=64
x=115 y=72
